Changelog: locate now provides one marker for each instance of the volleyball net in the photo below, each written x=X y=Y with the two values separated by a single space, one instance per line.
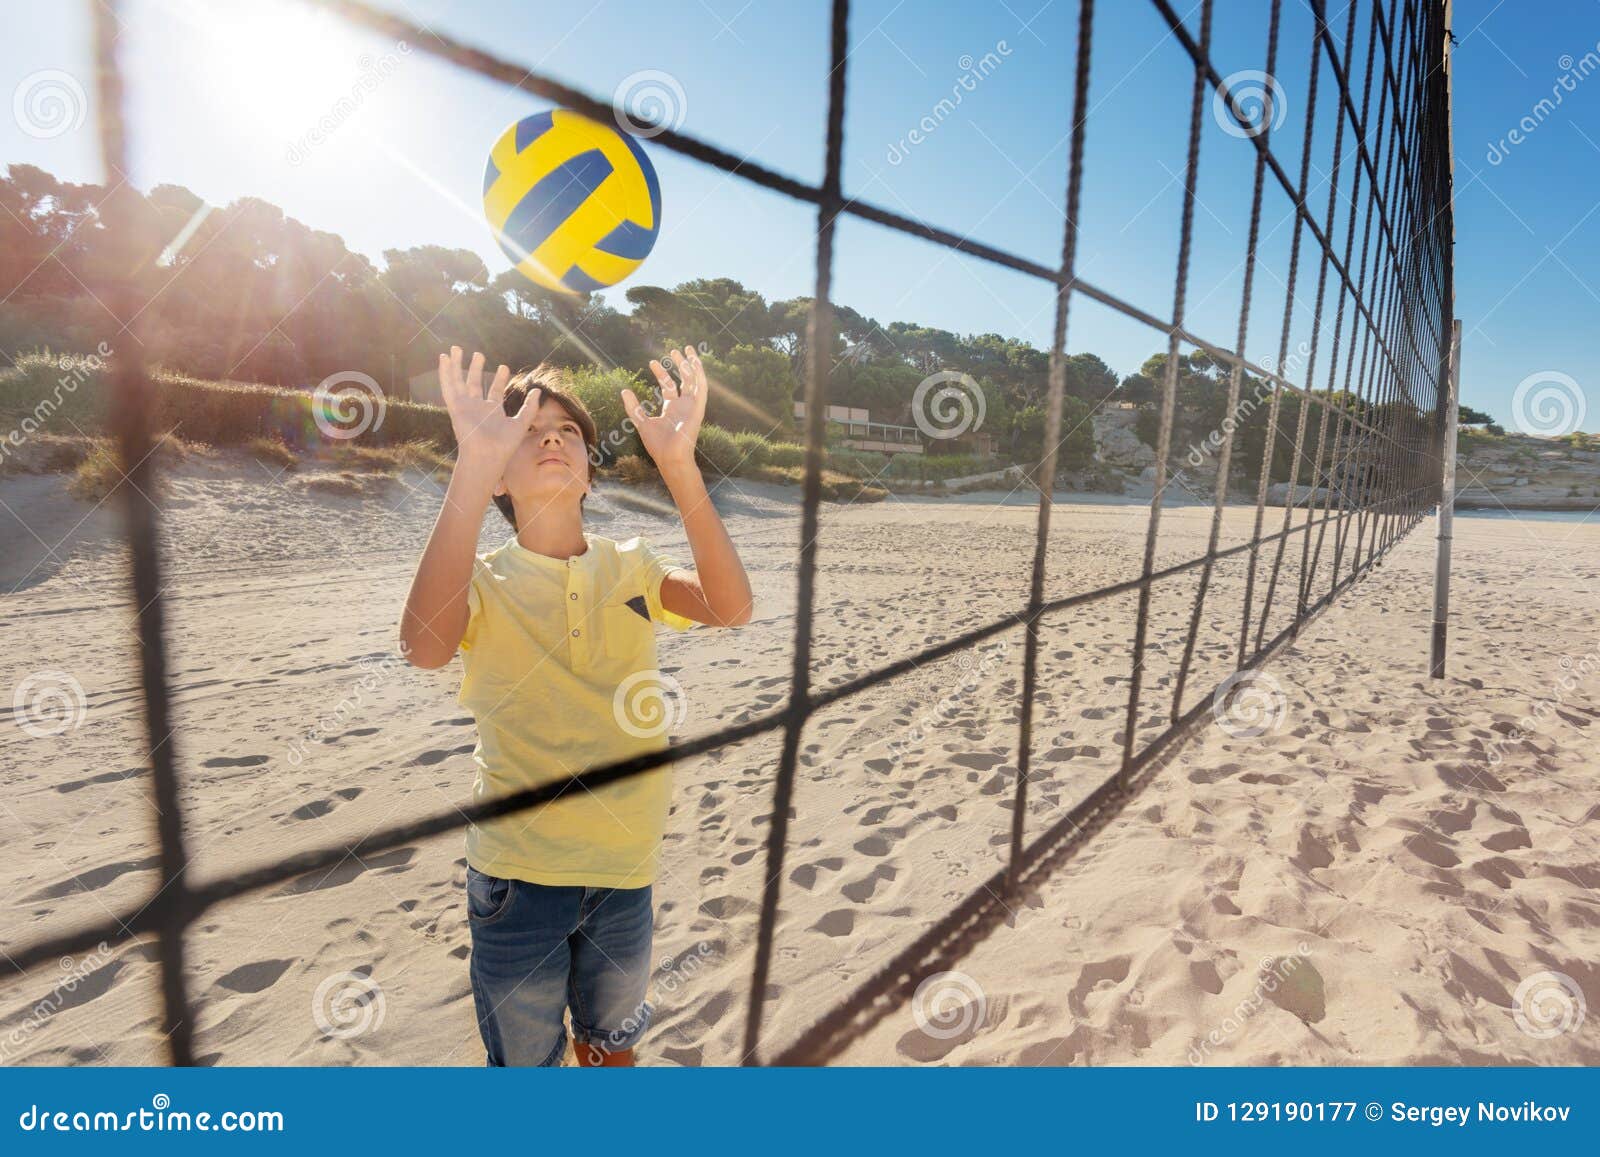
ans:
x=1375 y=379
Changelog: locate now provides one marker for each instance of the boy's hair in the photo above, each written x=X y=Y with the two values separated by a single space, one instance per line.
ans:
x=552 y=388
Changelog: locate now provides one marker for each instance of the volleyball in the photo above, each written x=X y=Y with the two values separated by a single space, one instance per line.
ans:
x=574 y=203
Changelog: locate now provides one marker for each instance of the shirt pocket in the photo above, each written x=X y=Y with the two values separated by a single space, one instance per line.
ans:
x=630 y=635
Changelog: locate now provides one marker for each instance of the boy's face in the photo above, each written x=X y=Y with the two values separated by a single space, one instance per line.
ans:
x=550 y=468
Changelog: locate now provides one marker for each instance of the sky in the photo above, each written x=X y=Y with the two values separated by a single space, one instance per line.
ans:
x=226 y=98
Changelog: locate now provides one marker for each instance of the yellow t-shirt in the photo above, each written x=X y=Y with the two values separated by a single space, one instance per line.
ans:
x=560 y=659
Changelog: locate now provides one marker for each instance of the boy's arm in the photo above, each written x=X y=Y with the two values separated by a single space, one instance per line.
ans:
x=435 y=615
x=717 y=591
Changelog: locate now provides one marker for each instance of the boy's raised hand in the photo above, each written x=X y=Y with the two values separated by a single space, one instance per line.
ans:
x=485 y=434
x=669 y=436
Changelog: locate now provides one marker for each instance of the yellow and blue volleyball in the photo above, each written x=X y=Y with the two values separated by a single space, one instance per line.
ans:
x=574 y=203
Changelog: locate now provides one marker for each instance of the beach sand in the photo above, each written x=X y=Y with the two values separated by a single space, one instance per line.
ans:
x=1388 y=873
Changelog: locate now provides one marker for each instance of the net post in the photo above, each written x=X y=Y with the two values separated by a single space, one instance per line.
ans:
x=820 y=343
x=130 y=421
x=1450 y=406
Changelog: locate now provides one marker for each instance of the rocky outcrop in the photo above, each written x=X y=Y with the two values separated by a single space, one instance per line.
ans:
x=1521 y=472
x=1115 y=443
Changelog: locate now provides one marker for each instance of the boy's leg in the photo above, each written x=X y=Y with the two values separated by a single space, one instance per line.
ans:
x=520 y=965
x=610 y=973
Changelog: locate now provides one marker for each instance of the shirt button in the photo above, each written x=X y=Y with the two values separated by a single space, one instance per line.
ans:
x=576 y=632
x=573 y=595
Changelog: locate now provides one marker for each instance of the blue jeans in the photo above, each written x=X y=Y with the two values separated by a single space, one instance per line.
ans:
x=538 y=950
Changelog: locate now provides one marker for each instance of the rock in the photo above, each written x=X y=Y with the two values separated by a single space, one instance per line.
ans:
x=1115 y=442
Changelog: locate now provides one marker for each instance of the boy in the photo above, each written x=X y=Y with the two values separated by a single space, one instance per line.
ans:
x=551 y=626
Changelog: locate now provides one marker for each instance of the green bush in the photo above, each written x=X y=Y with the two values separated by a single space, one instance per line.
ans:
x=1147 y=425
x=280 y=423
x=219 y=413
x=601 y=393
x=718 y=451
x=858 y=464
x=756 y=450
x=786 y=454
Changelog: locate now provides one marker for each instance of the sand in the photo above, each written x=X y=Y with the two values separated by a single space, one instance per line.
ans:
x=1386 y=874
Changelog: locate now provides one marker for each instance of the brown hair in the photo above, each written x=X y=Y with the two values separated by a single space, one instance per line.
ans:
x=552 y=388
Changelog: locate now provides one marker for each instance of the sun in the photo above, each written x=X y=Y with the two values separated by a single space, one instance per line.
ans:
x=285 y=67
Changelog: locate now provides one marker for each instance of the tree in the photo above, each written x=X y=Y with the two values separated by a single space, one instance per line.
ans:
x=752 y=388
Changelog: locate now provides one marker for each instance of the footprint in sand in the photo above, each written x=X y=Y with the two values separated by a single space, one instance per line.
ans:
x=356 y=732
x=873 y=846
x=346 y=871
x=91 y=986
x=976 y=760
x=103 y=777
x=839 y=922
x=1102 y=974
x=94 y=879
x=1313 y=852
x=806 y=874
x=254 y=977
x=318 y=808
x=440 y=754
x=862 y=890
x=726 y=907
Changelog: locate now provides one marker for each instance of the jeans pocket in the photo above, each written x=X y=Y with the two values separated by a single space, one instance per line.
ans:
x=488 y=897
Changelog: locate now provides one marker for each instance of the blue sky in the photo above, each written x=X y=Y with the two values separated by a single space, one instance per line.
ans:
x=224 y=94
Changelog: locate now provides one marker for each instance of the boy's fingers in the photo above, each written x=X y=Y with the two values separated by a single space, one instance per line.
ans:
x=497 y=388
x=702 y=390
x=445 y=388
x=475 y=375
x=530 y=403
x=696 y=376
x=631 y=404
x=455 y=364
x=669 y=388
